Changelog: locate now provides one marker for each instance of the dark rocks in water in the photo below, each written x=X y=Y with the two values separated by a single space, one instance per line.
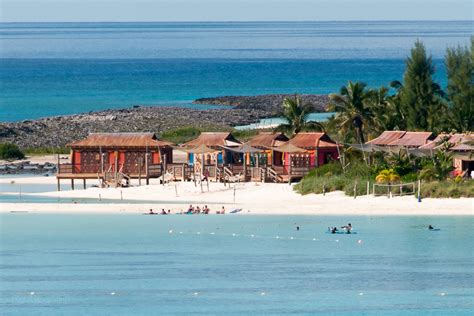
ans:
x=58 y=131
x=267 y=102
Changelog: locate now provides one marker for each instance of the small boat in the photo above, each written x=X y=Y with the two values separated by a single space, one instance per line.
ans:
x=237 y=210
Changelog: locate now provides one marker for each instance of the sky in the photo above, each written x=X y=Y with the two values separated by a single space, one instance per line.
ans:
x=232 y=10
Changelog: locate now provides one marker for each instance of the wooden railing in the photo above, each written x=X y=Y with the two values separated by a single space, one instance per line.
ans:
x=299 y=171
x=273 y=175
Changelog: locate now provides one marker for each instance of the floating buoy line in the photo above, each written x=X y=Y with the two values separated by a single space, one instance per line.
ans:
x=278 y=237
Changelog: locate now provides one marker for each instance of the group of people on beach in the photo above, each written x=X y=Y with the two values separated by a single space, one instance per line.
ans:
x=191 y=210
x=163 y=212
x=205 y=210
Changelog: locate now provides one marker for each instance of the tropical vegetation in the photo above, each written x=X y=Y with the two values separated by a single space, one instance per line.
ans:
x=10 y=151
x=296 y=117
x=416 y=103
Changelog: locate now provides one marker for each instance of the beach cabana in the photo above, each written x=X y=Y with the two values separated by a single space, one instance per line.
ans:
x=285 y=168
x=320 y=149
x=266 y=141
x=460 y=145
x=113 y=157
x=217 y=141
x=390 y=141
x=250 y=163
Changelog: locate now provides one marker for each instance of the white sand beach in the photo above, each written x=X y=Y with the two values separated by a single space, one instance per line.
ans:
x=252 y=198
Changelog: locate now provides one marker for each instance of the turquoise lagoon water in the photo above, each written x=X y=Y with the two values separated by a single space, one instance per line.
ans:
x=64 y=68
x=234 y=265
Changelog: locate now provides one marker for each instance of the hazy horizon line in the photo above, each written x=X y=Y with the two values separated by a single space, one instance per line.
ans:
x=235 y=21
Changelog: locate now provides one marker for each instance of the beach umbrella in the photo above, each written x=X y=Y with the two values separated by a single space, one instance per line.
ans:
x=288 y=148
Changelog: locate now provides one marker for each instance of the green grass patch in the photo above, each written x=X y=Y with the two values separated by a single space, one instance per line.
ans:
x=46 y=151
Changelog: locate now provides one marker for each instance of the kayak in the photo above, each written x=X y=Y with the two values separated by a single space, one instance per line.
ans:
x=237 y=210
x=341 y=232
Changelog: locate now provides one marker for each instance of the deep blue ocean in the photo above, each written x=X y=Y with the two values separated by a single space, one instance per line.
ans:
x=63 y=68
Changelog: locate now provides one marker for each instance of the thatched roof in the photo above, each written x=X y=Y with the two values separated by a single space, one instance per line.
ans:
x=312 y=140
x=120 y=140
x=213 y=139
x=267 y=139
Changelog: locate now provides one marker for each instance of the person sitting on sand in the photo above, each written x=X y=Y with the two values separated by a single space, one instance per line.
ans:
x=222 y=211
x=151 y=212
x=163 y=212
x=169 y=211
x=190 y=209
x=205 y=210
x=198 y=210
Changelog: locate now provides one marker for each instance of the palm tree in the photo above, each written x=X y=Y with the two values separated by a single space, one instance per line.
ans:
x=351 y=108
x=388 y=176
x=441 y=163
x=385 y=109
x=295 y=115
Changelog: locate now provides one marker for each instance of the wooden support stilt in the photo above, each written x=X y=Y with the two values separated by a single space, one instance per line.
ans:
x=59 y=184
x=72 y=184
x=84 y=183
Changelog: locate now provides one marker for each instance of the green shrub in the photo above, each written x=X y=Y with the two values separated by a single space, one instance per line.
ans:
x=410 y=177
x=10 y=151
x=333 y=168
x=447 y=189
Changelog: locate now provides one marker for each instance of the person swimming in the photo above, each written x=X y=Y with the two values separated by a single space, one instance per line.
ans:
x=430 y=227
x=334 y=230
x=347 y=228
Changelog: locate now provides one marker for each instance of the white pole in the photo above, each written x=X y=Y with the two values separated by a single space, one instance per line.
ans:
x=368 y=188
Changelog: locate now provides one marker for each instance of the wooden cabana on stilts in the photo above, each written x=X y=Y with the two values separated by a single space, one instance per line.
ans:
x=216 y=162
x=291 y=166
x=266 y=141
x=250 y=169
x=115 y=158
x=199 y=167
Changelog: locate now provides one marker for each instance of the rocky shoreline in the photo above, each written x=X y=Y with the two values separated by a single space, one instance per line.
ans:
x=57 y=131
x=267 y=102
